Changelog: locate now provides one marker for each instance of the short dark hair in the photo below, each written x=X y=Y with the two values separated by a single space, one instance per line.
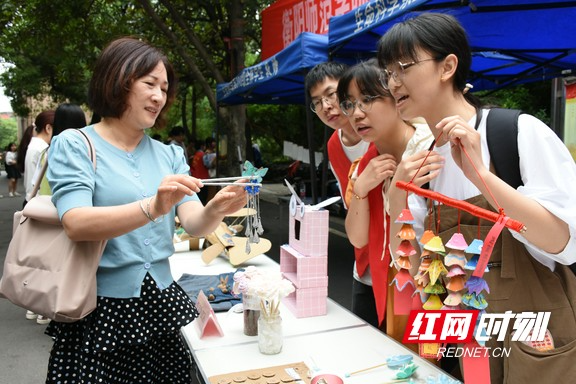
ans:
x=320 y=72
x=177 y=131
x=122 y=62
x=367 y=76
x=439 y=34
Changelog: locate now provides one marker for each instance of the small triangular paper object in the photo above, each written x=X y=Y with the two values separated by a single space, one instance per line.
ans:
x=455 y=258
x=405 y=248
x=453 y=299
x=403 y=262
x=475 y=247
x=406 y=232
x=456 y=283
x=405 y=217
x=436 y=289
x=426 y=236
x=435 y=245
x=433 y=303
x=455 y=270
x=402 y=279
x=457 y=241
x=473 y=262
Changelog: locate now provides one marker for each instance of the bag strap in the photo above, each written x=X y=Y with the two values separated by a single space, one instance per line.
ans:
x=502 y=138
x=91 y=155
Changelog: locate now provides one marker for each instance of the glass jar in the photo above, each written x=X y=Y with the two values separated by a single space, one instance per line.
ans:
x=251 y=306
x=270 y=338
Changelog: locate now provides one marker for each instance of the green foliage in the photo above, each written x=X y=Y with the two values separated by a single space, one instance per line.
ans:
x=8 y=132
x=532 y=98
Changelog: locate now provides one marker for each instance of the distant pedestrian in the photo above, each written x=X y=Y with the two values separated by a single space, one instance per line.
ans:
x=12 y=171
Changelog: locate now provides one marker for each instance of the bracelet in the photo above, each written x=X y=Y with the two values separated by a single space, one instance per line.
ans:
x=358 y=197
x=147 y=212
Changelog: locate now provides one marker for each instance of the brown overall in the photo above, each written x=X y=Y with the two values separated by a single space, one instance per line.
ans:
x=520 y=283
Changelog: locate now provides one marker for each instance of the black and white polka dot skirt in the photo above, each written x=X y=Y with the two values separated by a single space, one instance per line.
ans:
x=125 y=341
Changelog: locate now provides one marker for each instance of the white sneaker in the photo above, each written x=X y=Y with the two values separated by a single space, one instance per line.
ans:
x=17 y=194
x=31 y=315
x=10 y=194
x=42 y=320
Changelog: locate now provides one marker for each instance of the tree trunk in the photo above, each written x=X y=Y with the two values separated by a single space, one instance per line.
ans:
x=237 y=114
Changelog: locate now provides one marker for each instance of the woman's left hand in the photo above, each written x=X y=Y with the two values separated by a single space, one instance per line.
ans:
x=465 y=145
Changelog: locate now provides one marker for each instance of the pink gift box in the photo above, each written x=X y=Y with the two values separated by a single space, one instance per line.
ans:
x=307 y=302
x=303 y=271
x=309 y=232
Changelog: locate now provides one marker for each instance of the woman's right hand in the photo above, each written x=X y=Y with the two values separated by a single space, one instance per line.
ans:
x=408 y=167
x=378 y=169
x=171 y=190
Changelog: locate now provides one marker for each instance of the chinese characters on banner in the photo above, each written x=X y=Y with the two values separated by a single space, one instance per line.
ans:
x=284 y=20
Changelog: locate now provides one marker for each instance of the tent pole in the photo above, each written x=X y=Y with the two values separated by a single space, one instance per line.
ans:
x=311 y=155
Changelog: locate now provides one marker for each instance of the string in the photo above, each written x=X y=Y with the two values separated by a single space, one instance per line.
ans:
x=459 y=221
x=481 y=179
x=438 y=220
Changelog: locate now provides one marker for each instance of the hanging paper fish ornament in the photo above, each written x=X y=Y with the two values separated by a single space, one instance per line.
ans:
x=477 y=285
x=254 y=223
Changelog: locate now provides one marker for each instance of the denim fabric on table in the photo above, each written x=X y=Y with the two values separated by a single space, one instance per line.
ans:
x=211 y=285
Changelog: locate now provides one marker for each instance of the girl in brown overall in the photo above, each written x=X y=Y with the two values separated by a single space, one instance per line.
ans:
x=427 y=60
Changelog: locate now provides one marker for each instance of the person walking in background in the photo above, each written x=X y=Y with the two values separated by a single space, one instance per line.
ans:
x=427 y=61
x=199 y=170
x=344 y=147
x=178 y=135
x=133 y=335
x=372 y=113
x=38 y=144
x=12 y=172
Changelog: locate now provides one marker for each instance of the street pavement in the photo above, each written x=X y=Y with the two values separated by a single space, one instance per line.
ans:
x=24 y=348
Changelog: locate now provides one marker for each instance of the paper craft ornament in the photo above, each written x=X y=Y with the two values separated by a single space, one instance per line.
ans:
x=433 y=303
x=435 y=270
x=223 y=242
x=254 y=223
x=435 y=245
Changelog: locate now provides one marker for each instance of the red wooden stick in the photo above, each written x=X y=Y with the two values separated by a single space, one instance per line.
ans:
x=474 y=210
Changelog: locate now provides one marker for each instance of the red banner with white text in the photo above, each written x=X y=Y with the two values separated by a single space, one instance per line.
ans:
x=284 y=20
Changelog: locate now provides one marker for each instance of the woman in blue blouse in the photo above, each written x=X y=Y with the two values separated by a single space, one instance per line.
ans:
x=131 y=199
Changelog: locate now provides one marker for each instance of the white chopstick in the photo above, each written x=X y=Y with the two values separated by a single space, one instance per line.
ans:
x=239 y=184
x=226 y=179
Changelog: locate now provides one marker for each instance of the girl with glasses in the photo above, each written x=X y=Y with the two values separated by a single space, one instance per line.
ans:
x=529 y=271
x=372 y=113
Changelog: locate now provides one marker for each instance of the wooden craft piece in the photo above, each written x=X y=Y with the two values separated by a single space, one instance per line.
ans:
x=223 y=241
x=280 y=373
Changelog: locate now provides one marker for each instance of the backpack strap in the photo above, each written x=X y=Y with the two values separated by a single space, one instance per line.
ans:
x=502 y=138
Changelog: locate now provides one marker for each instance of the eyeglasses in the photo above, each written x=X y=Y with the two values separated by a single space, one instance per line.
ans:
x=398 y=76
x=364 y=104
x=317 y=105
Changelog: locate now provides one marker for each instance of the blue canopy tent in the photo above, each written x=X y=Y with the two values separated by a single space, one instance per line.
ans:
x=280 y=80
x=513 y=41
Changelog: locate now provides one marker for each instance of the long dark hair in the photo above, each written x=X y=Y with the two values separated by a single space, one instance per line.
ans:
x=23 y=147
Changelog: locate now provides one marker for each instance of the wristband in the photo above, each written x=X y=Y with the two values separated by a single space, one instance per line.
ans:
x=358 y=197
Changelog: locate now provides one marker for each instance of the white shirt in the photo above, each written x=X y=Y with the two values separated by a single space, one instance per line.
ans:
x=35 y=149
x=548 y=172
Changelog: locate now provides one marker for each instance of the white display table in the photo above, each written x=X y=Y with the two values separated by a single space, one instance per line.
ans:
x=338 y=342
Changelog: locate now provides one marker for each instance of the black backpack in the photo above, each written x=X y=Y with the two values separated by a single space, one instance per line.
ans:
x=502 y=138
